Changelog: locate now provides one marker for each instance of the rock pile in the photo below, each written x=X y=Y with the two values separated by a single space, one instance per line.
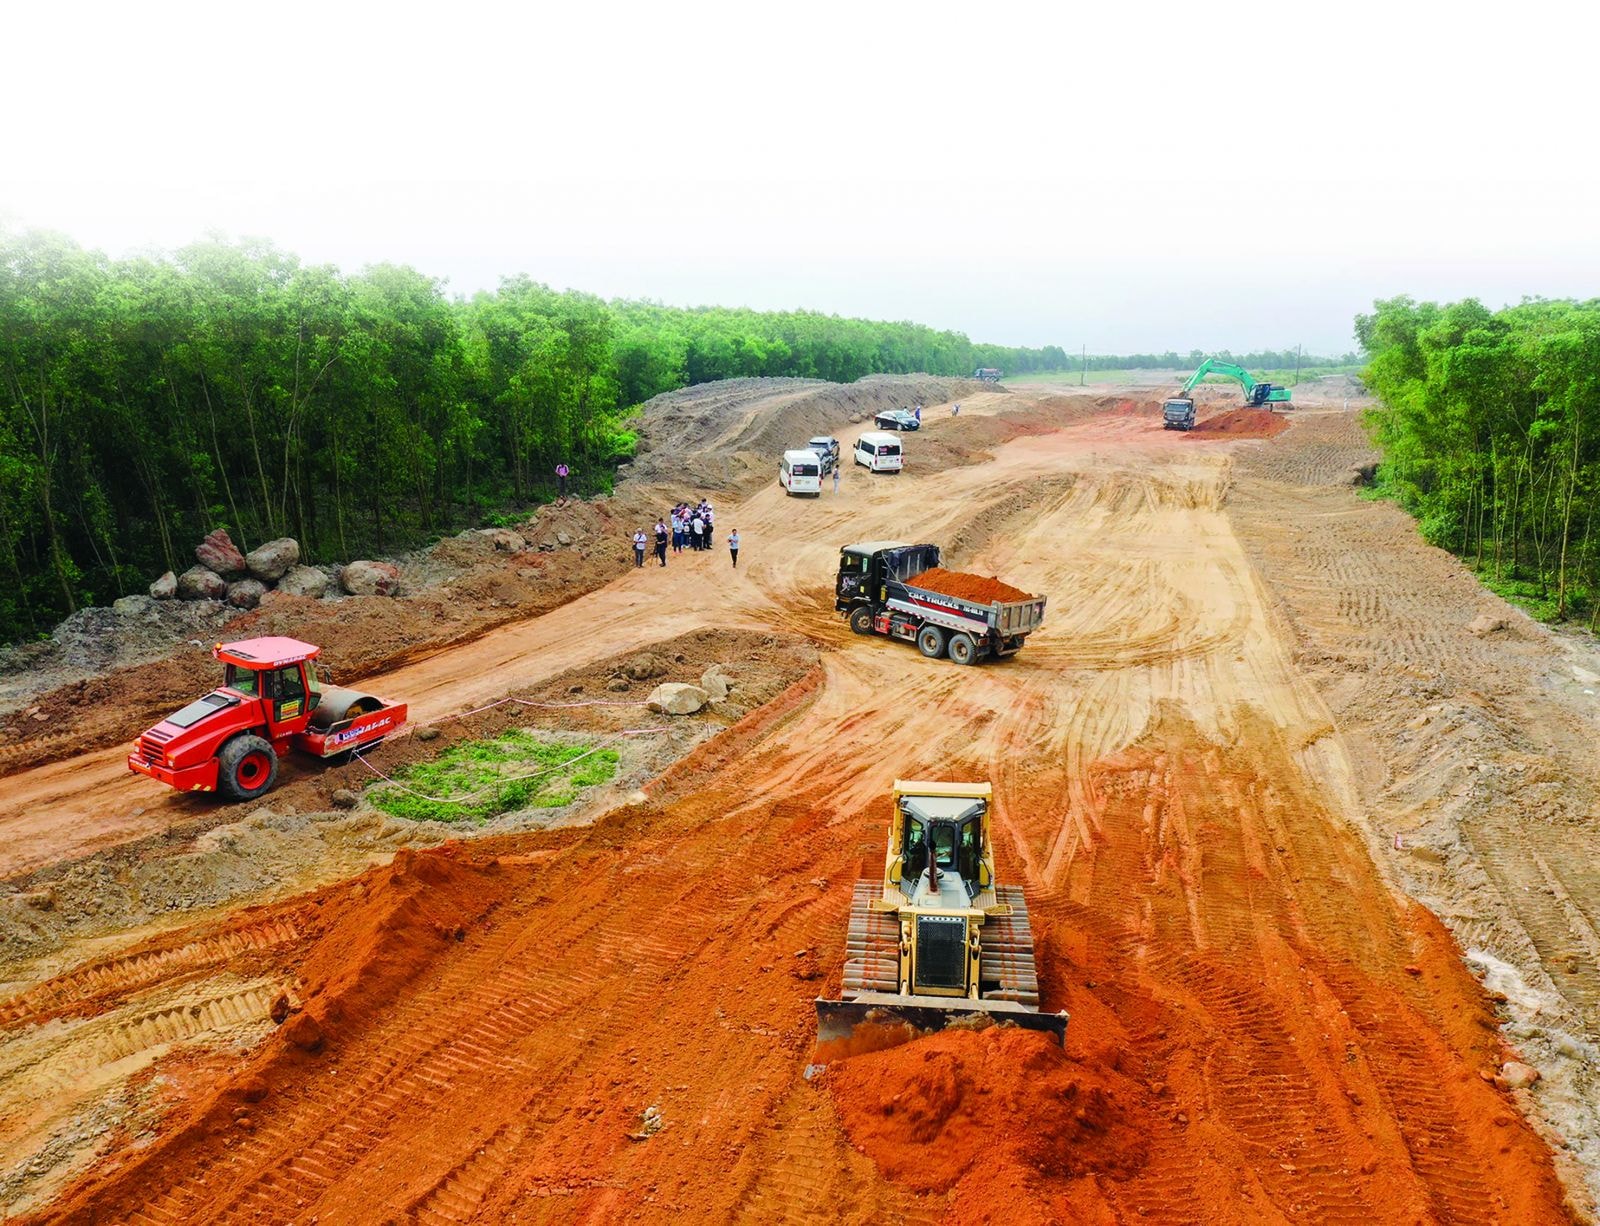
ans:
x=223 y=572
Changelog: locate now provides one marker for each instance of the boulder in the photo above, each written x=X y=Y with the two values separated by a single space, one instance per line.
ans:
x=675 y=698
x=563 y=539
x=272 y=561
x=343 y=798
x=502 y=539
x=164 y=588
x=246 y=593
x=716 y=682
x=1485 y=624
x=201 y=583
x=645 y=667
x=218 y=553
x=1517 y=1075
x=132 y=606
x=304 y=581
x=370 y=579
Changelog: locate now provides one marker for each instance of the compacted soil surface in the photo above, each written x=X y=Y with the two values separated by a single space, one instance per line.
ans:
x=1308 y=843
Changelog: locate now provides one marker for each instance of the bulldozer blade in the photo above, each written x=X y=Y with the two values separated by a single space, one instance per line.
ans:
x=874 y=1020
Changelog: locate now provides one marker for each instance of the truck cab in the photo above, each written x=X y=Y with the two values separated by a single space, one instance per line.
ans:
x=865 y=568
x=1178 y=414
x=271 y=701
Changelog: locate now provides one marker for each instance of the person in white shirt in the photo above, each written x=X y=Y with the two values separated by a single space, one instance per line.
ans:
x=638 y=547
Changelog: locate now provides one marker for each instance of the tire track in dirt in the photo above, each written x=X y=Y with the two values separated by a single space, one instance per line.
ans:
x=1307 y=1045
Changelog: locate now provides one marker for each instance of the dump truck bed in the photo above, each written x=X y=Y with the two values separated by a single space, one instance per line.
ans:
x=1011 y=618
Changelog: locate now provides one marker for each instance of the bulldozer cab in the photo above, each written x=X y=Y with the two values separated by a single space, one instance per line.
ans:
x=942 y=845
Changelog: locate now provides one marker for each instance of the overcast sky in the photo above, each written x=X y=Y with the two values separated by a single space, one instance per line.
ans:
x=1123 y=176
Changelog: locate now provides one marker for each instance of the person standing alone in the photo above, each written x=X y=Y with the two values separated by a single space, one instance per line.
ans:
x=638 y=547
x=561 y=478
x=836 y=477
x=733 y=547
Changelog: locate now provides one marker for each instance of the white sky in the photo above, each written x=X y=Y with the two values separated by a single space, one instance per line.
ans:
x=1127 y=176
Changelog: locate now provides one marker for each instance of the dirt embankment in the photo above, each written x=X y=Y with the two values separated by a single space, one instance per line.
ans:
x=1242 y=423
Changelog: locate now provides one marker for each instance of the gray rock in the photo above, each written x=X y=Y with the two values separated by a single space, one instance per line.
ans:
x=426 y=733
x=218 y=553
x=246 y=593
x=503 y=539
x=304 y=581
x=133 y=606
x=644 y=667
x=618 y=685
x=273 y=560
x=344 y=798
x=716 y=682
x=563 y=539
x=201 y=583
x=1485 y=624
x=675 y=698
x=370 y=579
x=164 y=588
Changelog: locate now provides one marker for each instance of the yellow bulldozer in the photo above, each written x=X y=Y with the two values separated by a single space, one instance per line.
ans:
x=936 y=942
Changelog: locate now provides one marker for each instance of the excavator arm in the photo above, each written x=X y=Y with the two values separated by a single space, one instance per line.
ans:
x=1254 y=393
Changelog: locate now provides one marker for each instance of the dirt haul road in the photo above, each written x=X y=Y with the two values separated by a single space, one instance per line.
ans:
x=616 y=1023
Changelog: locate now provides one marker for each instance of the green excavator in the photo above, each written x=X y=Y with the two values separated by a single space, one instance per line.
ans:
x=1178 y=412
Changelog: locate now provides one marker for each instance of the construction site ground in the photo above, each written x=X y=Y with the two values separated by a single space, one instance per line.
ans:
x=1306 y=820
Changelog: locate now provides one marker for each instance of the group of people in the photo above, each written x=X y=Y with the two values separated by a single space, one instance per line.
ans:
x=683 y=527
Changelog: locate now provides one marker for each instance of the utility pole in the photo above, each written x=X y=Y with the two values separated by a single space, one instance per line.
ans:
x=1083 y=369
x=1296 y=382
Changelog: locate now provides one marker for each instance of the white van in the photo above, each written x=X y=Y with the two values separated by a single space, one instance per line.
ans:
x=879 y=451
x=800 y=472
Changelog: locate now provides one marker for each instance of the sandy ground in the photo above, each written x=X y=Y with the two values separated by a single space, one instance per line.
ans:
x=1250 y=681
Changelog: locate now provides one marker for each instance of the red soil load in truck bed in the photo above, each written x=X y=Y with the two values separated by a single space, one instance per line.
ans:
x=968 y=587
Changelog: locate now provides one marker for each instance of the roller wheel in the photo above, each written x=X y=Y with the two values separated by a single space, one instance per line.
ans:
x=962 y=649
x=930 y=642
x=861 y=619
x=246 y=768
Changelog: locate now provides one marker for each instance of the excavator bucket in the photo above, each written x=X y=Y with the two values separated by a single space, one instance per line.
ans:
x=876 y=1020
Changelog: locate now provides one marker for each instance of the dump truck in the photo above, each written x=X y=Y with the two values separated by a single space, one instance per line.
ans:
x=936 y=939
x=878 y=592
x=271 y=702
x=1178 y=414
x=987 y=374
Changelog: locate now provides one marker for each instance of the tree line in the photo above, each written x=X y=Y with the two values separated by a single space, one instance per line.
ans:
x=1255 y=361
x=144 y=401
x=1488 y=429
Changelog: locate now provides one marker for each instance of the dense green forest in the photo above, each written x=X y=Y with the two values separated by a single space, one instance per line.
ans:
x=1490 y=432
x=145 y=401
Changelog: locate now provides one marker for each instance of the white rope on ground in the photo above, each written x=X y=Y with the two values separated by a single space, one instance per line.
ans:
x=499 y=783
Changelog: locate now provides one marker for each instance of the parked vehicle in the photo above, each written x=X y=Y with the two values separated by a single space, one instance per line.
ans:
x=879 y=452
x=271 y=701
x=877 y=590
x=800 y=472
x=828 y=451
x=989 y=374
x=897 y=419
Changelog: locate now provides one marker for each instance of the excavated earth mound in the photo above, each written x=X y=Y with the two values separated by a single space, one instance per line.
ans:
x=958 y=1109
x=1243 y=423
x=955 y=583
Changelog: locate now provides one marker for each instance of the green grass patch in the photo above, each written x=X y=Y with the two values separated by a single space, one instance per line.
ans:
x=477 y=780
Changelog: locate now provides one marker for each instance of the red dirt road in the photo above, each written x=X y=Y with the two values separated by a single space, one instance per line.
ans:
x=1262 y=1028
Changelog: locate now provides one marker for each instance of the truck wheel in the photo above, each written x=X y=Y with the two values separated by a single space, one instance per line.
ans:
x=930 y=642
x=246 y=768
x=962 y=649
x=861 y=619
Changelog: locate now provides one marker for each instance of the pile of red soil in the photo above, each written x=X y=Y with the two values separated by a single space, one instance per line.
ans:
x=1243 y=423
x=1003 y=1105
x=967 y=587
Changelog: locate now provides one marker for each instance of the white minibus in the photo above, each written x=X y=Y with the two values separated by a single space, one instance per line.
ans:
x=879 y=451
x=800 y=472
